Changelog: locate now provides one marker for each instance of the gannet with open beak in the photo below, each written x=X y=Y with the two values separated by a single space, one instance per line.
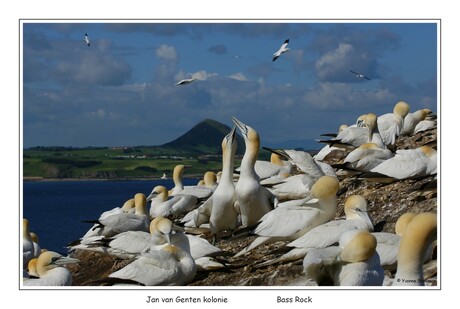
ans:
x=50 y=271
x=390 y=125
x=353 y=263
x=417 y=237
x=163 y=205
x=291 y=222
x=329 y=233
x=253 y=200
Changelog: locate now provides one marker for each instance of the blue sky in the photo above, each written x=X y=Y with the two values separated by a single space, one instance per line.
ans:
x=121 y=90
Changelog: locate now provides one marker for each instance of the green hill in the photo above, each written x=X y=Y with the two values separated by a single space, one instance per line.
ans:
x=204 y=138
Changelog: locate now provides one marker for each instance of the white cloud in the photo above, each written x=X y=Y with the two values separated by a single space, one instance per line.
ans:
x=334 y=60
x=239 y=76
x=166 y=52
x=202 y=75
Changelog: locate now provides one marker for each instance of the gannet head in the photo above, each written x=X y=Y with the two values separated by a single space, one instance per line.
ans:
x=209 y=179
x=160 y=191
x=34 y=237
x=140 y=203
x=251 y=137
x=162 y=226
x=276 y=159
x=325 y=187
x=129 y=204
x=342 y=127
x=25 y=229
x=357 y=246
x=356 y=207
x=177 y=173
x=32 y=267
x=402 y=222
x=401 y=108
x=428 y=151
x=50 y=259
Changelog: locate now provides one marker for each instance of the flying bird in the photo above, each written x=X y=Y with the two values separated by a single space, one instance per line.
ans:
x=282 y=50
x=186 y=81
x=359 y=75
x=87 y=39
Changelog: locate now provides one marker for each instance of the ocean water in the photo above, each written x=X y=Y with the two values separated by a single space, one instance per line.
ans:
x=56 y=209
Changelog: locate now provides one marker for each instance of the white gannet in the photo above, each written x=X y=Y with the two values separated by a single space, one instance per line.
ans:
x=293 y=187
x=272 y=171
x=253 y=200
x=425 y=125
x=291 y=222
x=412 y=120
x=37 y=248
x=418 y=235
x=282 y=50
x=87 y=40
x=186 y=81
x=409 y=163
x=164 y=177
x=50 y=271
x=221 y=205
x=328 y=149
x=200 y=192
x=391 y=124
x=163 y=205
x=353 y=263
x=128 y=207
x=355 y=136
x=364 y=158
x=122 y=222
x=168 y=266
x=27 y=244
x=359 y=75
x=329 y=233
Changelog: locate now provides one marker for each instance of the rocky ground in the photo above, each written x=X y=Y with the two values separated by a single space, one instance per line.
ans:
x=386 y=202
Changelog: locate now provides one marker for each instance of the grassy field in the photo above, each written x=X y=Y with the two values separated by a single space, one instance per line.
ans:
x=112 y=163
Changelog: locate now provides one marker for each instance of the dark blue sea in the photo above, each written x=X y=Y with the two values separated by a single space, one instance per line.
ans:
x=56 y=209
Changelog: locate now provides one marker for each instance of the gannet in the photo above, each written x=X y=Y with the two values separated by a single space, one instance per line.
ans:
x=163 y=205
x=391 y=124
x=272 y=171
x=364 y=158
x=198 y=191
x=355 y=136
x=418 y=235
x=50 y=271
x=253 y=200
x=220 y=207
x=293 y=187
x=359 y=75
x=168 y=266
x=37 y=248
x=326 y=150
x=32 y=268
x=425 y=125
x=122 y=222
x=87 y=40
x=128 y=207
x=409 y=163
x=353 y=263
x=186 y=81
x=291 y=222
x=412 y=120
x=282 y=50
x=27 y=244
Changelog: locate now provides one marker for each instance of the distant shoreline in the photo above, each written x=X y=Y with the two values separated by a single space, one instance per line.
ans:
x=32 y=178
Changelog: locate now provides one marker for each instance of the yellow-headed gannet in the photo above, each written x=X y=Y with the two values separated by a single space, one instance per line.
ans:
x=32 y=268
x=417 y=237
x=353 y=263
x=324 y=152
x=168 y=266
x=412 y=120
x=363 y=159
x=329 y=233
x=293 y=187
x=122 y=222
x=253 y=200
x=291 y=222
x=282 y=50
x=50 y=271
x=409 y=163
x=391 y=124
x=163 y=205
x=200 y=192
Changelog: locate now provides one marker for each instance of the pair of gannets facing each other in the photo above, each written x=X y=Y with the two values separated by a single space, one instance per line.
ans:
x=408 y=163
x=354 y=262
x=50 y=271
x=122 y=222
x=390 y=125
x=164 y=205
x=327 y=234
x=291 y=221
x=253 y=200
x=200 y=192
x=355 y=136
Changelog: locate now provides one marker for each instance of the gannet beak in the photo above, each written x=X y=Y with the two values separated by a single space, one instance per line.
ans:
x=151 y=196
x=232 y=134
x=365 y=216
x=241 y=126
x=62 y=260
